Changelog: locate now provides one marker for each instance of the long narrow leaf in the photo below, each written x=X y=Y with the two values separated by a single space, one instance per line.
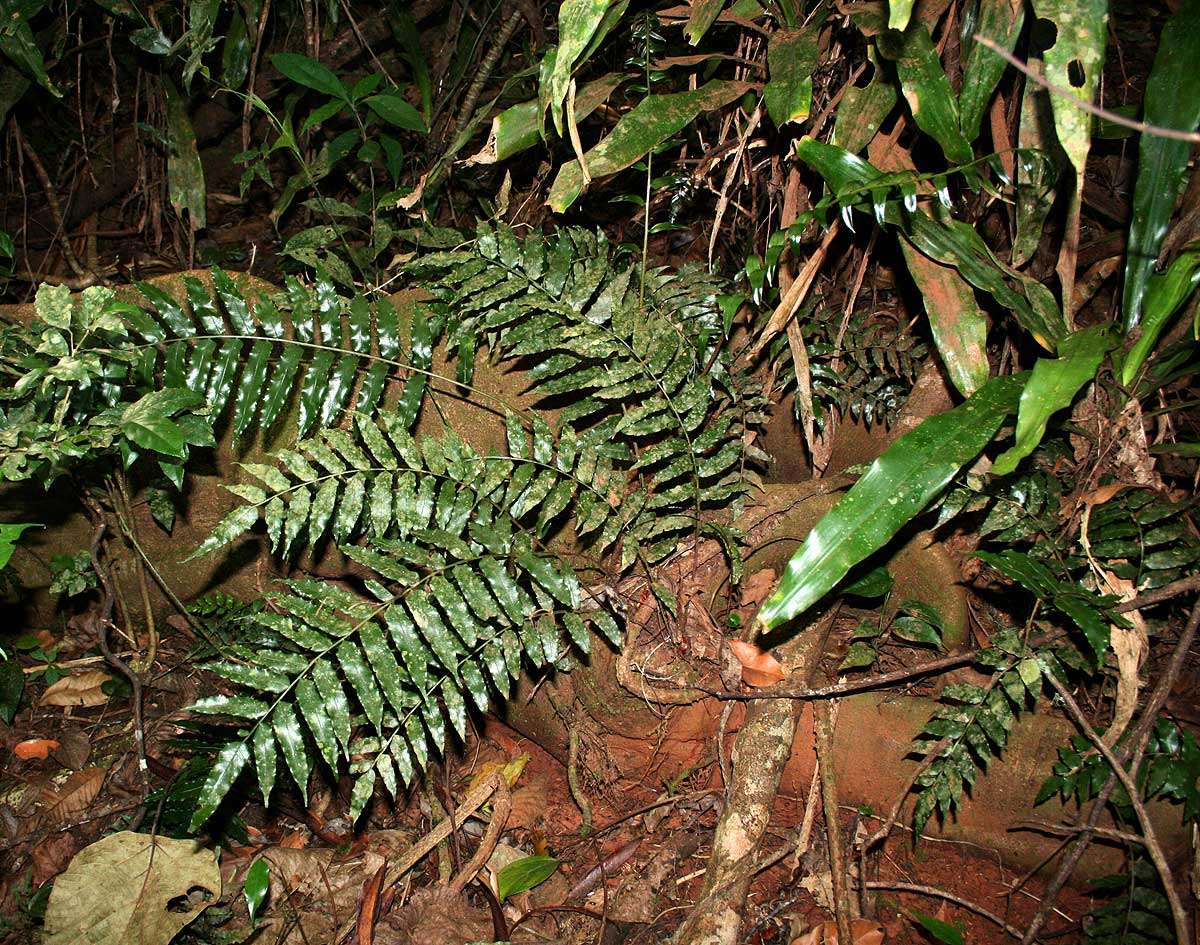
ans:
x=896 y=487
x=1172 y=101
x=1052 y=386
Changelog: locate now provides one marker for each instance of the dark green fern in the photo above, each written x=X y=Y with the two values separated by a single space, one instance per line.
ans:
x=463 y=590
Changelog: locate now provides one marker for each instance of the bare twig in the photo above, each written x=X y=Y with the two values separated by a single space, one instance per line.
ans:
x=1153 y=848
x=1160 y=594
x=135 y=681
x=52 y=202
x=842 y=911
x=484 y=72
x=1115 y=117
x=949 y=897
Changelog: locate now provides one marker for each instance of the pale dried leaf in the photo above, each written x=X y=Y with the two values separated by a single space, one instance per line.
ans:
x=127 y=889
x=78 y=689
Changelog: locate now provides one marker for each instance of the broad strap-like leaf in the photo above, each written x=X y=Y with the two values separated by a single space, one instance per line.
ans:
x=1052 y=385
x=1172 y=100
x=894 y=489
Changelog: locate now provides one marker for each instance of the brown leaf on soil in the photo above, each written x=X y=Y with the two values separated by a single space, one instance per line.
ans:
x=34 y=748
x=862 y=932
x=74 y=749
x=756 y=587
x=759 y=668
x=75 y=796
x=51 y=856
x=78 y=689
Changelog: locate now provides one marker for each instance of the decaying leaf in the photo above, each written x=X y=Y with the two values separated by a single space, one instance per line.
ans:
x=75 y=795
x=759 y=668
x=131 y=889
x=79 y=689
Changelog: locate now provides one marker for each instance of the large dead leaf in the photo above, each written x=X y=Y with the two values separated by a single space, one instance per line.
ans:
x=759 y=668
x=131 y=889
x=79 y=689
x=75 y=795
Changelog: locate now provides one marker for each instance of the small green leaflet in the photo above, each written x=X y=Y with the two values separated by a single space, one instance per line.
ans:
x=524 y=874
x=258 y=881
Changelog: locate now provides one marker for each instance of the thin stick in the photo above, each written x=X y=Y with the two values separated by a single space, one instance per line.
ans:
x=1135 y=798
x=1115 y=117
x=949 y=897
x=1158 y=595
x=833 y=830
x=52 y=203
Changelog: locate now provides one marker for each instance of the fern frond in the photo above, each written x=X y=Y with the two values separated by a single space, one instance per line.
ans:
x=974 y=726
x=380 y=482
x=250 y=359
x=336 y=678
x=638 y=371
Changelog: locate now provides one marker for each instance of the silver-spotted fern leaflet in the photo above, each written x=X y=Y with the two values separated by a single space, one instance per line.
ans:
x=465 y=590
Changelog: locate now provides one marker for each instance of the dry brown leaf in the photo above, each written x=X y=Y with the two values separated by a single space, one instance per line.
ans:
x=74 y=749
x=32 y=748
x=75 y=795
x=862 y=932
x=51 y=856
x=756 y=587
x=78 y=689
x=759 y=668
x=1130 y=648
x=294 y=841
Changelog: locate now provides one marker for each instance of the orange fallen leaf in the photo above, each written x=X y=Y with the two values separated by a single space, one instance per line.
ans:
x=34 y=748
x=78 y=689
x=862 y=932
x=759 y=668
x=75 y=796
x=294 y=841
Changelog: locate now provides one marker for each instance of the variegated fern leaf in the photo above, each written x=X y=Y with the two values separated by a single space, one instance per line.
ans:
x=651 y=434
x=371 y=681
x=253 y=357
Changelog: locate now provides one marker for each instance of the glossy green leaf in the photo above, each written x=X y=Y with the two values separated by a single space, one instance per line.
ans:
x=19 y=44
x=939 y=931
x=524 y=874
x=1036 y=179
x=1172 y=100
x=1165 y=293
x=930 y=98
x=649 y=123
x=516 y=129
x=894 y=489
x=254 y=889
x=311 y=74
x=1052 y=386
x=1001 y=22
x=396 y=110
x=791 y=59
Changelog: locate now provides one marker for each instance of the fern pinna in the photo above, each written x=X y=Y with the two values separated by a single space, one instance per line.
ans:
x=463 y=590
